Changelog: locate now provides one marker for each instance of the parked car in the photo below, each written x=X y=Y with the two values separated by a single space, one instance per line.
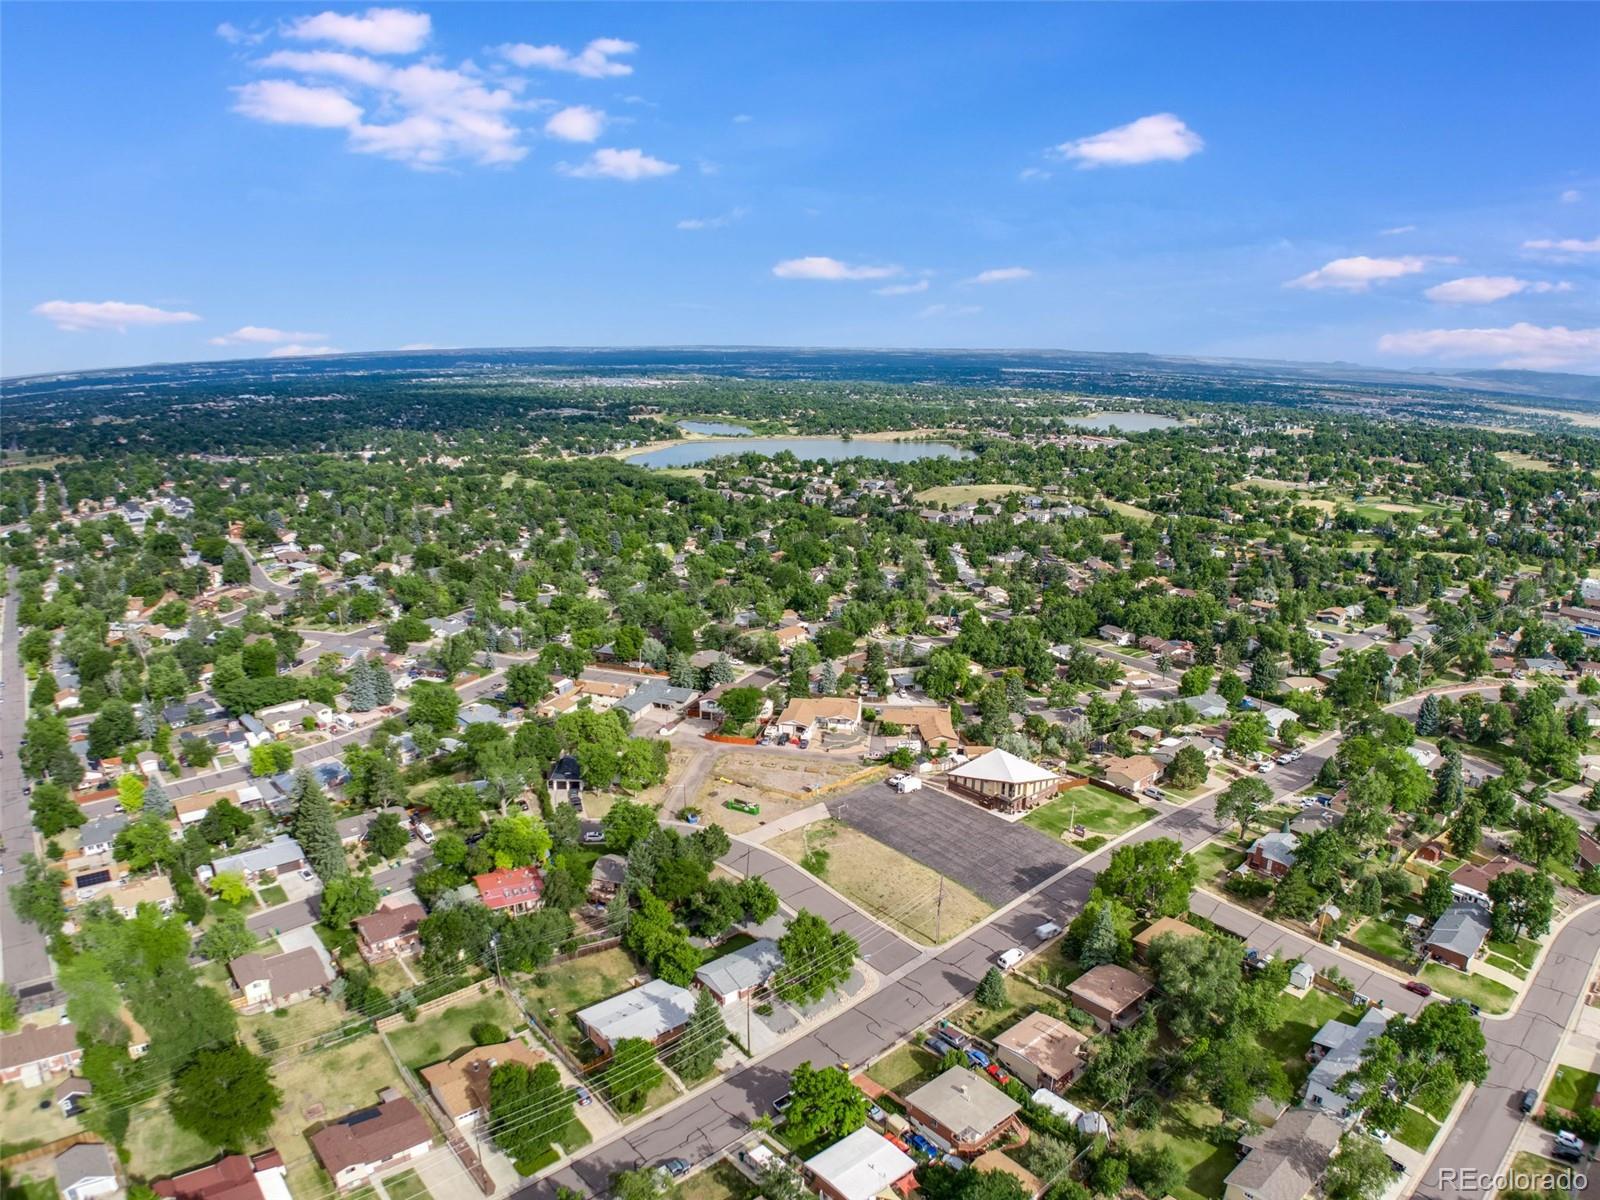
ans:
x=782 y=1103
x=1569 y=1154
x=1467 y=1004
x=998 y=1074
x=582 y=1096
x=1265 y=768
x=676 y=1167
x=1381 y=1136
x=593 y=837
x=1530 y=1100
x=1010 y=958
x=874 y=1113
x=804 y=743
x=977 y=1057
x=918 y=1142
x=1046 y=931
x=783 y=739
x=937 y=1046
x=1418 y=988
x=1567 y=1138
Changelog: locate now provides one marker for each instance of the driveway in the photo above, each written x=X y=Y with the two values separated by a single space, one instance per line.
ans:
x=996 y=859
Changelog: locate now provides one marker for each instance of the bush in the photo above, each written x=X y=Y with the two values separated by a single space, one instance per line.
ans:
x=1247 y=887
x=816 y=863
x=487 y=1033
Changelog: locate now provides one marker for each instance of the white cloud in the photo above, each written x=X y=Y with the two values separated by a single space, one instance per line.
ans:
x=1033 y=174
x=1519 y=345
x=742 y=118
x=594 y=61
x=629 y=166
x=376 y=31
x=1360 y=272
x=1160 y=137
x=418 y=346
x=1002 y=275
x=79 y=316
x=1396 y=230
x=579 y=123
x=434 y=114
x=950 y=310
x=829 y=269
x=718 y=222
x=232 y=34
x=1571 y=196
x=285 y=102
x=901 y=289
x=1486 y=289
x=297 y=351
x=1564 y=245
x=263 y=335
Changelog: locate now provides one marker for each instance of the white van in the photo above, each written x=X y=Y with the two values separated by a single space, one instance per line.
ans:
x=1011 y=958
x=1047 y=931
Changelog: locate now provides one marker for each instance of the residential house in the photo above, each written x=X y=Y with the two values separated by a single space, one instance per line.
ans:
x=1273 y=853
x=1116 y=635
x=1113 y=995
x=654 y=1011
x=286 y=718
x=926 y=727
x=566 y=782
x=860 y=1166
x=1042 y=1051
x=1336 y=1049
x=87 y=1171
x=151 y=889
x=97 y=837
x=1132 y=774
x=1002 y=781
x=510 y=890
x=1471 y=882
x=280 y=856
x=34 y=1053
x=962 y=1111
x=1167 y=749
x=739 y=974
x=656 y=694
x=1286 y=1161
x=460 y=1086
x=70 y=1094
x=812 y=715
x=1459 y=934
x=390 y=931
x=359 y=1145
x=233 y=1177
x=1160 y=927
x=279 y=980
x=605 y=879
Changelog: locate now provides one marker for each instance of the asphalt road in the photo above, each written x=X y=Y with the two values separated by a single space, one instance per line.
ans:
x=24 y=961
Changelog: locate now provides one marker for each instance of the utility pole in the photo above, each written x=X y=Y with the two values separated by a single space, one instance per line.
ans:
x=938 y=913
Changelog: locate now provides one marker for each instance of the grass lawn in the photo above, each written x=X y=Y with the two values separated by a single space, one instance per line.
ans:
x=720 y=1181
x=1516 y=958
x=440 y=1034
x=273 y=894
x=737 y=942
x=904 y=1069
x=157 y=1147
x=324 y=1085
x=1193 y=1132
x=1537 y=1175
x=1416 y=1129
x=1216 y=859
x=1384 y=937
x=299 y=1024
x=1488 y=994
x=894 y=888
x=406 y=1186
x=1024 y=998
x=1094 y=807
x=554 y=994
x=962 y=493
x=29 y=1116
x=1572 y=1088
x=1297 y=1023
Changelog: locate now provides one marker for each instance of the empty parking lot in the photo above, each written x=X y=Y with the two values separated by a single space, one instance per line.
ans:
x=996 y=859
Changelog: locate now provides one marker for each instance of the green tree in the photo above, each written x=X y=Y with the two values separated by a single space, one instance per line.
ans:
x=741 y=704
x=1437 y=896
x=1105 y=940
x=230 y=887
x=387 y=836
x=529 y=1107
x=632 y=1075
x=37 y=898
x=625 y=823
x=1359 y=1169
x=1247 y=735
x=991 y=992
x=1523 y=903
x=1545 y=835
x=130 y=792
x=1152 y=879
x=227 y=938
x=346 y=897
x=311 y=821
x=816 y=959
x=826 y=1104
x=225 y=1096
x=435 y=705
x=1243 y=801
x=1188 y=768
x=694 y=1055
x=1428 y=715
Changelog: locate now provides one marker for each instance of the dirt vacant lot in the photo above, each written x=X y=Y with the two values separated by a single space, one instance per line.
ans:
x=899 y=891
x=780 y=785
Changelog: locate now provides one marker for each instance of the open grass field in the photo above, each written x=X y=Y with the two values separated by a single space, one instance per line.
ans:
x=1572 y=1088
x=889 y=885
x=1022 y=998
x=963 y=493
x=1128 y=510
x=1095 y=808
x=1523 y=462
x=440 y=1034
x=1384 y=937
x=1489 y=994
x=157 y=1147
x=554 y=994
x=1195 y=1134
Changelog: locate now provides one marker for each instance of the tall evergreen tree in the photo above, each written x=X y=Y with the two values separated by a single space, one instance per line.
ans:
x=695 y=1054
x=313 y=827
x=1428 y=716
x=382 y=685
x=363 y=691
x=156 y=799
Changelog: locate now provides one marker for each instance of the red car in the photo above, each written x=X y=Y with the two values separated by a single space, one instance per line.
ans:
x=997 y=1073
x=1417 y=986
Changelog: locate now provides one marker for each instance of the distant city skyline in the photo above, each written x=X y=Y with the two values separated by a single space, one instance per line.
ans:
x=1401 y=186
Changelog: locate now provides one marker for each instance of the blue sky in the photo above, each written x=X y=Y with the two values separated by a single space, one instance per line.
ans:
x=1407 y=185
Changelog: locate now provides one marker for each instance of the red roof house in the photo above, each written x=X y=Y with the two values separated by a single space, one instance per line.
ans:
x=515 y=890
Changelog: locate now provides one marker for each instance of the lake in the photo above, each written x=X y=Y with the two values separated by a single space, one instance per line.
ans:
x=714 y=428
x=829 y=449
x=1125 y=422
